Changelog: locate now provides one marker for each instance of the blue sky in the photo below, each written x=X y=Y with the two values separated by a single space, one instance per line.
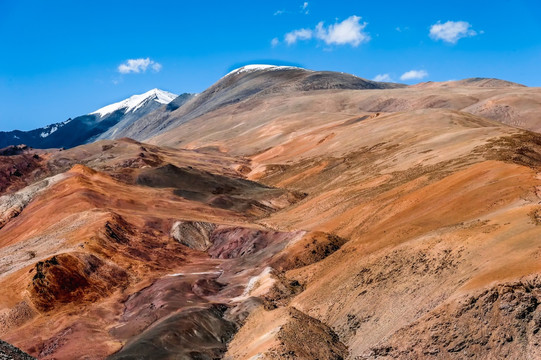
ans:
x=61 y=59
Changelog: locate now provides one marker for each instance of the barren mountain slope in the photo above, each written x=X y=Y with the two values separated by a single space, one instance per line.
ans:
x=80 y=247
x=471 y=82
x=257 y=116
x=432 y=230
x=324 y=224
x=249 y=82
x=439 y=208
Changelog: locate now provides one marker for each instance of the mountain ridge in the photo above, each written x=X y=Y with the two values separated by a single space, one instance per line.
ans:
x=86 y=128
x=246 y=83
x=136 y=101
x=474 y=82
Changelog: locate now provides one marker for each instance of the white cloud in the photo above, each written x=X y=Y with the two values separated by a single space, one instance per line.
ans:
x=275 y=42
x=349 y=31
x=383 y=77
x=451 y=31
x=414 y=75
x=305 y=8
x=300 y=34
x=138 y=66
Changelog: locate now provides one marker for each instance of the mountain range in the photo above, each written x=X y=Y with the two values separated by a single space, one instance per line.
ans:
x=282 y=213
x=87 y=128
x=138 y=117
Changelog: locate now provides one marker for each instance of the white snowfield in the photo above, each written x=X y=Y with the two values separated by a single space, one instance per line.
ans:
x=260 y=67
x=136 y=101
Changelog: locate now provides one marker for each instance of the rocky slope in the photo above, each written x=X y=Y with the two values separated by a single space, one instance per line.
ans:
x=515 y=105
x=10 y=352
x=291 y=224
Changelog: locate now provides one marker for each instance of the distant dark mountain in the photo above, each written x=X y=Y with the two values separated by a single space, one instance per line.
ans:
x=86 y=128
x=138 y=120
x=240 y=85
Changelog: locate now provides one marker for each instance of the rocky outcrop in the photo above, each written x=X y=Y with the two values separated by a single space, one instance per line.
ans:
x=311 y=248
x=11 y=205
x=193 y=334
x=285 y=333
x=19 y=167
x=228 y=242
x=10 y=352
x=234 y=242
x=194 y=234
x=500 y=322
x=73 y=278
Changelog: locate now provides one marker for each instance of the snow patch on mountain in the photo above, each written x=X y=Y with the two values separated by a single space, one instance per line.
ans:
x=49 y=129
x=134 y=102
x=44 y=134
x=261 y=67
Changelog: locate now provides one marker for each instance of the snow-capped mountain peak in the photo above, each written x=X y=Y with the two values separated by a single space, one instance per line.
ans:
x=136 y=101
x=260 y=67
